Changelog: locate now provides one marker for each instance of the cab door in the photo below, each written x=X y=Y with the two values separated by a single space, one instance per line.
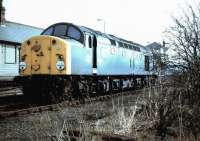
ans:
x=91 y=42
x=94 y=54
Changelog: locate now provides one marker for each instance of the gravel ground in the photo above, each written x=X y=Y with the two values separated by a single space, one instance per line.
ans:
x=114 y=116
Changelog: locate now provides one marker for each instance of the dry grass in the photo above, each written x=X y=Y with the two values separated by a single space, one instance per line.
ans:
x=154 y=114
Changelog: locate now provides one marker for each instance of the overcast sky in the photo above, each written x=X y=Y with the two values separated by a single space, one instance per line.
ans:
x=142 y=21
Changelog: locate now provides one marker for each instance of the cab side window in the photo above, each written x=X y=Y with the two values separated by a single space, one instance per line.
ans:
x=88 y=40
x=74 y=33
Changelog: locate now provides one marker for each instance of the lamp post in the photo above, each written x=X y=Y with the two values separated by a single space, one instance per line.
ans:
x=104 y=24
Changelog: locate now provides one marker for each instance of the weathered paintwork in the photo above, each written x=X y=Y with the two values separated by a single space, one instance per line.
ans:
x=41 y=53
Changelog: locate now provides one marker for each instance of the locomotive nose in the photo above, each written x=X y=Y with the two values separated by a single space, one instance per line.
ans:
x=43 y=55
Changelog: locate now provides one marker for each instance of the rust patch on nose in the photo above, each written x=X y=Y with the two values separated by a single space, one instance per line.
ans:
x=36 y=47
x=36 y=67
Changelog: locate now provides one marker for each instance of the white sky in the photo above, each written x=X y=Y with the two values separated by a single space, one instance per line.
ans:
x=142 y=21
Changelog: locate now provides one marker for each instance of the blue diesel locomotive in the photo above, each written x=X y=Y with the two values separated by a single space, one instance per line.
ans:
x=68 y=60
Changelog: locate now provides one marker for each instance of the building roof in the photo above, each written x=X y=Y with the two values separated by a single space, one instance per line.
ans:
x=154 y=45
x=16 y=33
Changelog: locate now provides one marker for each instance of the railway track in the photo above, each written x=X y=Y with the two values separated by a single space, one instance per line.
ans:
x=9 y=88
x=10 y=91
x=18 y=105
x=19 y=108
x=7 y=83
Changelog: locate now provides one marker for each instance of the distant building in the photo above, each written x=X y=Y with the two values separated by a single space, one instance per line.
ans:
x=159 y=56
x=11 y=36
x=157 y=48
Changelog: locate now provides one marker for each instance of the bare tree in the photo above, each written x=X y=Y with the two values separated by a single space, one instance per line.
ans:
x=184 y=37
x=1 y=9
x=1 y=4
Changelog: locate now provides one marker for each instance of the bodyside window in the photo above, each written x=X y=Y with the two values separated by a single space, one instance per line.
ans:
x=146 y=67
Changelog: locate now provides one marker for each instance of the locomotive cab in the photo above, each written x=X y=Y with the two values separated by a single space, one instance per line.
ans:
x=49 y=53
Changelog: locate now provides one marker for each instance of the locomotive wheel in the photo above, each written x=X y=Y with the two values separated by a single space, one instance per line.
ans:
x=67 y=90
x=56 y=90
x=76 y=94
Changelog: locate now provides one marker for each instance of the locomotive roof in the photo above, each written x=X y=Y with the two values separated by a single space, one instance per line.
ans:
x=113 y=39
x=109 y=36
